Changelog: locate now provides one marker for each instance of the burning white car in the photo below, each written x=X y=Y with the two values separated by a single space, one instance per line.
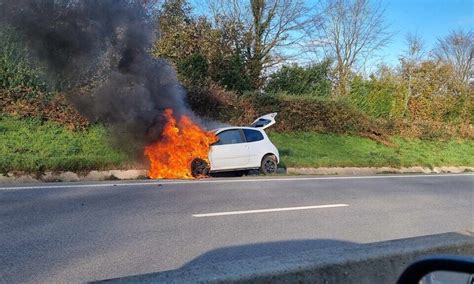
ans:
x=241 y=148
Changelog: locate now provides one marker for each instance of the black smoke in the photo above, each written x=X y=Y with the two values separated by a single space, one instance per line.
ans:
x=98 y=53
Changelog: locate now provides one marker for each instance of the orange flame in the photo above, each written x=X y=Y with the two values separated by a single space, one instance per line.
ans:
x=180 y=144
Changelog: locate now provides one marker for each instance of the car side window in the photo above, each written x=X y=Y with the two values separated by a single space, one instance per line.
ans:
x=253 y=135
x=231 y=136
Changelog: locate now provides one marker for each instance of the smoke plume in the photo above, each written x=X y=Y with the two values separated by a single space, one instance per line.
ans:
x=98 y=51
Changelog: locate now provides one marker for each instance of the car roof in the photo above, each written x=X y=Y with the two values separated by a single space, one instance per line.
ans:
x=218 y=130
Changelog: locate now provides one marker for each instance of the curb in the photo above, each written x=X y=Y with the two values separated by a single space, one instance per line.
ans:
x=68 y=176
x=380 y=262
x=136 y=174
x=373 y=170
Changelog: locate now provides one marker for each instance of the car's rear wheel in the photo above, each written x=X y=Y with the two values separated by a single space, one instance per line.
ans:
x=200 y=168
x=269 y=165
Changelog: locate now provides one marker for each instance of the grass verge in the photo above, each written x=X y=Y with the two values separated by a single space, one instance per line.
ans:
x=331 y=150
x=35 y=146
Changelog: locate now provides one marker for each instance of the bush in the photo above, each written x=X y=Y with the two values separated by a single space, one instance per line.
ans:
x=16 y=70
x=323 y=115
x=433 y=130
x=437 y=95
x=54 y=107
x=214 y=103
x=295 y=113
x=231 y=73
x=192 y=70
x=23 y=89
x=296 y=80
x=379 y=98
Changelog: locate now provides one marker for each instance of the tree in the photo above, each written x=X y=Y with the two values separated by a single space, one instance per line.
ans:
x=186 y=41
x=175 y=12
x=435 y=89
x=177 y=31
x=266 y=28
x=457 y=49
x=380 y=95
x=415 y=48
x=352 y=31
x=409 y=61
x=201 y=52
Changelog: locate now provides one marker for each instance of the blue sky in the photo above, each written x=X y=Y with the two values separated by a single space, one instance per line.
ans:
x=430 y=19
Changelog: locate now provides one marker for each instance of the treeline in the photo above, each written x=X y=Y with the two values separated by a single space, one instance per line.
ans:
x=238 y=59
x=218 y=58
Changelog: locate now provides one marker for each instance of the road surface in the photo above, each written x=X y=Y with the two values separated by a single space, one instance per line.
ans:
x=67 y=232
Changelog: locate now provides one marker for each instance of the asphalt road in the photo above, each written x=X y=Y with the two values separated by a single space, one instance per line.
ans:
x=67 y=232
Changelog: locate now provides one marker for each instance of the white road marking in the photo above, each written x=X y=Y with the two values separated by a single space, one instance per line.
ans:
x=224 y=180
x=268 y=210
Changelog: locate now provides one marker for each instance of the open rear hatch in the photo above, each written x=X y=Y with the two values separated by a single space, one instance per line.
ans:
x=264 y=121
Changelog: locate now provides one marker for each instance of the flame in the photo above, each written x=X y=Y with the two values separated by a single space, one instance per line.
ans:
x=181 y=142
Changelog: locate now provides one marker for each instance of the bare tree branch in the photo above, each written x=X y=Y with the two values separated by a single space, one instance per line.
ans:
x=457 y=49
x=269 y=27
x=353 y=30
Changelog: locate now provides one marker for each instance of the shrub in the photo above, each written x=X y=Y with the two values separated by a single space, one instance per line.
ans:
x=295 y=113
x=433 y=130
x=16 y=70
x=437 y=96
x=230 y=72
x=379 y=98
x=192 y=70
x=23 y=89
x=54 y=107
x=296 y=80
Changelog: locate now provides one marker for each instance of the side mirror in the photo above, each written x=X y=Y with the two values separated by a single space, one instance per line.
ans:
x=432 y=270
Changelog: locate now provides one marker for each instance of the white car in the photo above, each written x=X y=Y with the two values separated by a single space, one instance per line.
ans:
x=241 y=148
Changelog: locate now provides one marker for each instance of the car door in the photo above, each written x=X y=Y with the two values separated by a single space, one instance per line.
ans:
x=256 y=144
x=230 y=151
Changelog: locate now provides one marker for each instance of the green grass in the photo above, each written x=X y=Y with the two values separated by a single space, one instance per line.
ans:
x=331 y=150
x=33 y=146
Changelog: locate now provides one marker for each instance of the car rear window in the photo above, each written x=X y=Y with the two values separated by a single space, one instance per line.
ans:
x=261 y=122
x=252 y=135
x=229 y=137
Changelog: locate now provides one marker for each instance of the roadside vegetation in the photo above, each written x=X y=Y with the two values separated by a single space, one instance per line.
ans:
x=309 y=149
x=35 y=146
x=330 y=113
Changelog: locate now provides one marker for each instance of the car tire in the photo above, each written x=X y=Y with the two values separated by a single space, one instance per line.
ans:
x=200 y=168
x=269 y=165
